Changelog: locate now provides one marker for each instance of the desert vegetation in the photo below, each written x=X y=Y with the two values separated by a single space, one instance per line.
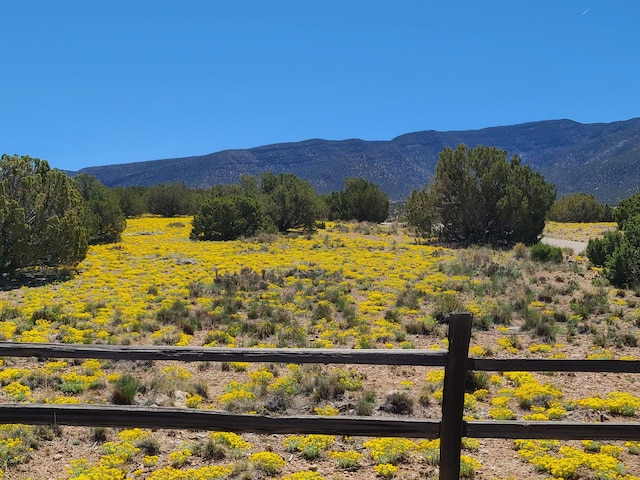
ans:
x=258 y=264
x=352 y=285
x=477 y=196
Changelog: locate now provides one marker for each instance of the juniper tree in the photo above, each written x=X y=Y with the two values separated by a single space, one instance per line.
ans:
x=41 y=216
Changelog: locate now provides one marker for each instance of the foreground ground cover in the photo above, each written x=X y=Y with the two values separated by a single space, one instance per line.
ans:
x=349 y=285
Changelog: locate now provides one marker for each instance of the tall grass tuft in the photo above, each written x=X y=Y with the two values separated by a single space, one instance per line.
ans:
x=125 y=390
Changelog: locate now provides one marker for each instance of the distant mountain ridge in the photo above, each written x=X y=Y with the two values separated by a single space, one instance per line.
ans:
x=598 y=158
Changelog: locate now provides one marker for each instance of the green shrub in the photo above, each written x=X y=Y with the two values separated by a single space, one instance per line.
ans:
x=619 y=253
x=626 y=210
x=447 y=303
x=622 y=268
x=579 y=207
x=596 y=302
x=366 y=404
x=545 y=253
x=125 y=390
x=599 y=249
x=229 y=218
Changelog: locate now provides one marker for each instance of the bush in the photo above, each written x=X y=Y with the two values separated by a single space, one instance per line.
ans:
x=366 y=404
x=478 y=196
x=446 y=303
x=622 y=268
x=41 y=214
x=399 y=403
x=103 y=217
x=546 y=253
x=599 y=249
x=228 y=218
x=361 y=200
x=619 y=253
x=125 y=390
x=520 y=251
x=579 y=207
x=626 y=210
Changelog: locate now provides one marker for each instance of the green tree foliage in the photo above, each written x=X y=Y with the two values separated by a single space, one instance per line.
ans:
x=421 y=212
x=600 y=249
x=627 y=209
x=290 y=201
x=360 y=200
x=132 y=200
x=172 y=199
x=478 y=196
x=103 y=217
x=228 y=218
x=579 y=207
x=41 y=216
x=542 y=252
x=619 y=254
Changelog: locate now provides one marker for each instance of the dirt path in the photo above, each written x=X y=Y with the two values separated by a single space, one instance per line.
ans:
x=578 y=247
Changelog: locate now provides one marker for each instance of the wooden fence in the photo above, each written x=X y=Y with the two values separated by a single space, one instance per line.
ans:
x=450 y=428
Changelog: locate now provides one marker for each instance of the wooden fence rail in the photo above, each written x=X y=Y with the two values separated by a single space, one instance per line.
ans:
x=427 y=358
x=450 y=429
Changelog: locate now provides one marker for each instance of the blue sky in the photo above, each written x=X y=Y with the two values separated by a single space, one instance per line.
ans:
x=101 y=82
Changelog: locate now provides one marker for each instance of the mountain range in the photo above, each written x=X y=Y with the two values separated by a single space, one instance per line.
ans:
x=602 y=159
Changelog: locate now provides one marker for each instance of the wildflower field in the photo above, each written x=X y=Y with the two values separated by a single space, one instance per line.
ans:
x=345 y=286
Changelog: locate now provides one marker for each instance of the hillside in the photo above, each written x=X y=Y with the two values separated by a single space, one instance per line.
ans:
x=599 y=158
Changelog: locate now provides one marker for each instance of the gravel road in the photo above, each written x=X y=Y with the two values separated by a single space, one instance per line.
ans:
x=578 y=247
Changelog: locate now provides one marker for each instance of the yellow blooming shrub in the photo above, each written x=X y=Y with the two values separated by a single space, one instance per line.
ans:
x=83 y=470
x=617 y=403
x=212 y=472
x=193 y=400
x=389 y=450
x=7 y=375
x=230 y=439
x=311 y=446
x=347 y=460
x=304 y=475
x=327 y=410
x=17 y=392
x=180 y=457
x=268 y=462
x=385 y=470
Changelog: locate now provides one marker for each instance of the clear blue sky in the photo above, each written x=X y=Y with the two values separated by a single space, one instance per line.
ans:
x=97 y=82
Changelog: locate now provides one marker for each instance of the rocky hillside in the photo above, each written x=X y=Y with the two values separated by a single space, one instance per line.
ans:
x=599 y=158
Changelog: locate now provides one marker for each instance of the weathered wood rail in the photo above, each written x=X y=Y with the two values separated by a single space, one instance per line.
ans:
x=450 y=428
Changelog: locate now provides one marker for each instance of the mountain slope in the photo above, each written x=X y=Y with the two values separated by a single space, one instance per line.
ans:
x=599 y=158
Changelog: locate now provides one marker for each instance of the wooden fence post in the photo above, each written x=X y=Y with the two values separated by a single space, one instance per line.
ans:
x=451 y=426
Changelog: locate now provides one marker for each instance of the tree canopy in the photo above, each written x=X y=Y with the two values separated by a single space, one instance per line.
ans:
x=627 y=209
x=172 y=199
x=478 y=196
x=103 y=216
x=41 y=216
x=290 y=201
x=580 y=207
x=360 y=200
x=269 y=203
x=618 y=252
x=228 y=218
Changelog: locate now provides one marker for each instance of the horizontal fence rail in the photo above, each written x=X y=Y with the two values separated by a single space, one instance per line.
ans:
x=450 y=429
x=553 y=430
x=553 y=365
x=180 y=418
x=425 y=358
x=415 y=357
